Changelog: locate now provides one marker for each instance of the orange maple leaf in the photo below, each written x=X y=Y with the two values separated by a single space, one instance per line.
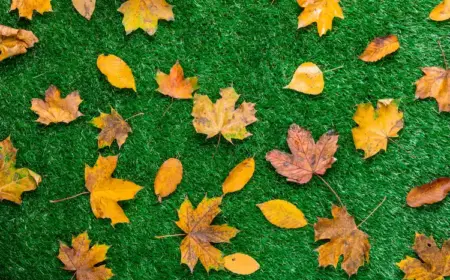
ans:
x=435 y=85
x=113 y=127
x=321 y=11
x=15 y=41
x=174 y=84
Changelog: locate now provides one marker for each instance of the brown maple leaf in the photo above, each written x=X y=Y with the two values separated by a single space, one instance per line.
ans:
x=435 y=85
x=344 y=239
x=434 y=263
x=113 y=127
x=15 y=41
x=307 y=158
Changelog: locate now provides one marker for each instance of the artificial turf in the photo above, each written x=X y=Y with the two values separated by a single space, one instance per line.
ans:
x=255 y=47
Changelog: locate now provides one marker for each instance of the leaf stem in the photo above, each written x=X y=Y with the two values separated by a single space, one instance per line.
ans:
x=443 y=54
x=168 y=107
x=331 y=189
x=170 y=235
x=217 y=146
x=329 y=70
x=67 y=198
x=135 y=115
x=373 y=212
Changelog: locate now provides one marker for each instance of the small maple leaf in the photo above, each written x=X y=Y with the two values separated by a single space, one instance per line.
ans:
x=434 y=263
x=145 y=14
x=55 y=109
x=320 y=11
x=376 y=126
x=307 y=158
x=441 y=12
x=308 y=78
x=113 y=127
x=434 y=84
x=379 y=48
x=84 y=7
x=15 y=41
x=222 y=117
x=116 y=71
x=199 y=233
x=26 y=7
x=107 y=191
x=13 y=181
x=430 y=193
x=174 y=84
x=344 y=239
x=83 y=260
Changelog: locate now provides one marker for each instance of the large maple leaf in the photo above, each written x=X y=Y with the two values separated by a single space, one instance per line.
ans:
x=15 y=41
x=321 y=11
x=435 y=84
x=200 y=233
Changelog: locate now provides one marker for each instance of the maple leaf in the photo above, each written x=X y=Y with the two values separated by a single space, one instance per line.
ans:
x=145 y=14
x=307 y=158
x=84 y=7
x=441 y=12
x=26 y=7
x=83 y=260
x=308 y=78
x=430 y=193
x=107 y=191
x=283 y=214
x=168 y=178
x=435 y=84
x=320 y=11
x=344 y=239
x=116 y=71
x=174 y=84
x=379 y=48
x=200 y=234
x=113 y=127
x=434 y=263
x=376 y=126
x=15 y=41
x=13 y=181
x=56 y=109
x=239 y=176
x=222 y=117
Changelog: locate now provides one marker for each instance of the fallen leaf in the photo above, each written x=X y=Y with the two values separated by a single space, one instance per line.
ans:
x=241 y=264
x=283 y=214
x=55 y=109
x=168 y=178
x=376 y=126
x=13 y=181
x=435 y=85
x=344 y=239
x=113 y=127
x=145 y=14
x=221 y=117
x=239 y=176
x=26 y=7
x=200 y=234
x=379 y=48
x=174 y=84
x=117 y=71
x=434 y=263
x=429 y=193
x=307 y=158
x=15 y=41
x=107 y=191
x=441 y=12
x=320 y=11
x=83 y=260
x=307 y=79
x=84 y=7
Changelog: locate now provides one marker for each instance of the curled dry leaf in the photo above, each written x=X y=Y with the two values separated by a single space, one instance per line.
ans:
x=240 y=264
x=116 y=71
x=221 y=117
x=174 y=84
x=307 y=158
x=379 y=48
x=441 y=12
x=239 y=176
x=84 y=260
x=321 y=11
x=283 y=214
x=14 y=181
x=26 y=7
x=429 y=193
x=113 y=127
x=84 y=7
x=435 y=85
x=168 y=178
x=434 y=263
x=145 y=14
x=200 y=234
x=55 y=109
x=376 y=126
x=344 y=239
x=308 y=78
x=15 y=41
x=107 y=191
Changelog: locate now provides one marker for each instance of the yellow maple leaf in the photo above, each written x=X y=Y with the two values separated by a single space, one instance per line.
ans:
x=308 y=78
x=321 y=11
x=107 y=191
x=13 y=181
x=116 y=71
x=145 y=14
x=26 y=7
x=221 y=117
x=174 y=84
x=113 y=127
x=435 y=84
x=376 y=126
x=441 y=12
x=15 y=41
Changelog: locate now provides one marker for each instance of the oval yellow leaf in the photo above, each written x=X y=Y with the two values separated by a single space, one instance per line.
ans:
x=308 y=78
x=283 y=214
x=441 y=12
x=239 y=176
x=117 y=71
x=168 y=177
x=240 y=264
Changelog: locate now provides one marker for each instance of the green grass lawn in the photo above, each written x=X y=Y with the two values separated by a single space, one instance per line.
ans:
x=254 y=46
